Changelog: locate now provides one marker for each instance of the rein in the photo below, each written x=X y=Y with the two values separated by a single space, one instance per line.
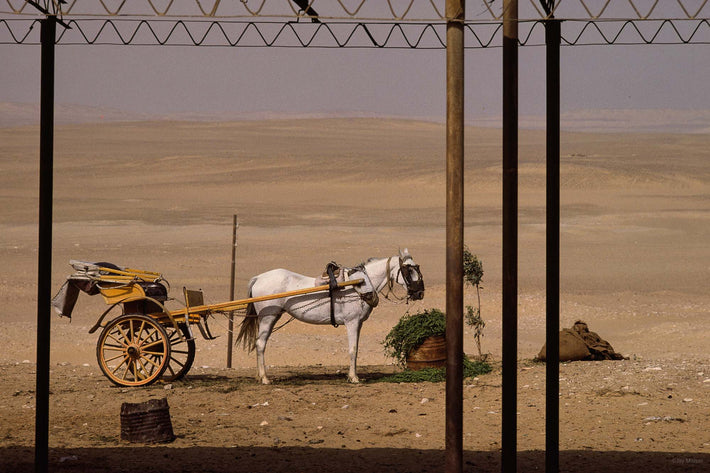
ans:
x=227 y=330
x=390 y=285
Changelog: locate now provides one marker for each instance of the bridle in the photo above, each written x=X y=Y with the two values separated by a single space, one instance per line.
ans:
x=415 y=287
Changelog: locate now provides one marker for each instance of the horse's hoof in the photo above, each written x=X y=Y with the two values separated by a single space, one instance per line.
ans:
x=265 y=380
x=354 y=380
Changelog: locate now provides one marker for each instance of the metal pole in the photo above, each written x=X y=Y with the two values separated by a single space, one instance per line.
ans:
x=552 y=373
x=230 y=334
x=510 y=237
x=44 y=255
x=455 y=16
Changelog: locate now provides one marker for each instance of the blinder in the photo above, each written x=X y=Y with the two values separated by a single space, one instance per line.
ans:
x=415 y=287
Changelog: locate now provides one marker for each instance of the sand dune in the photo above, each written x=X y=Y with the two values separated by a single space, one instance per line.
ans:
x=14 y=114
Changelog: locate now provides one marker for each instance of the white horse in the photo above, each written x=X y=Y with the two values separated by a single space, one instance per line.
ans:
x=352 y=305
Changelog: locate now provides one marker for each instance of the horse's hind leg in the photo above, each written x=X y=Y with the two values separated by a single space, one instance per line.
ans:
x=353 y=330
x=266 y=325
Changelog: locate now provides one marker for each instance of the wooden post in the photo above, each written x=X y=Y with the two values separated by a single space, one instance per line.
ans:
x=44 y=255
x=455 y=16
x=510 y=237
x=230 y=334
x=552 y=275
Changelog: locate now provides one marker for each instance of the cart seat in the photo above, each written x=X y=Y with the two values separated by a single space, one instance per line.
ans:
x=195 y=298
x=154 y=290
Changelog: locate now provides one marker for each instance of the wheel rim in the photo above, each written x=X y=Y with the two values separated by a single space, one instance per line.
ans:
x=182 y=354
x=133 y=350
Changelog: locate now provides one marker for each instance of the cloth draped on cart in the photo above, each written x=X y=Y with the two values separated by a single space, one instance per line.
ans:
x=87 y=278
x=84 y=279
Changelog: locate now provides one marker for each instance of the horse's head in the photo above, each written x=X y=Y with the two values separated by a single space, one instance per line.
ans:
x=410 y=276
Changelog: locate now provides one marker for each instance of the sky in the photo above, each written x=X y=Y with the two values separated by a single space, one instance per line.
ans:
x=390 y=82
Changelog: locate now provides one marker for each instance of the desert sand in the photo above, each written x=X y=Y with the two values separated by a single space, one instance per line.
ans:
x=635 y=265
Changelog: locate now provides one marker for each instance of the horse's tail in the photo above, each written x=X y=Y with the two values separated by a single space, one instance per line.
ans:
x=248 y=329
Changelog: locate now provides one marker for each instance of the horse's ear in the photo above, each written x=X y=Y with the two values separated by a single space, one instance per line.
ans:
x=404 y=253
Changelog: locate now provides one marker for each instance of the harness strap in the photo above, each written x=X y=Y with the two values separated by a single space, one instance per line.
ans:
x=390 y=282
x=332 y=286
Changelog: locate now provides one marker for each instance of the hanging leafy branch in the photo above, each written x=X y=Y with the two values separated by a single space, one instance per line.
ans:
x=473 y=274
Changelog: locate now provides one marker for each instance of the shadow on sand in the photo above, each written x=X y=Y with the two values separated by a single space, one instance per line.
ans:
x=294 y=376
x=308 y=459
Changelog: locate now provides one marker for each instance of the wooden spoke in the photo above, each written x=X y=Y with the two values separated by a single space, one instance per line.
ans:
x=142 y=372
x=153 y=364
x=180 y=359
x=156 y=343
x=115 y=348
x=125 y=361
x=140 y=331
x=120 y=355
x=120 y=341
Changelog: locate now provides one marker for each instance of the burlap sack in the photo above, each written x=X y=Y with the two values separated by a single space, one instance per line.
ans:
x=578 y=343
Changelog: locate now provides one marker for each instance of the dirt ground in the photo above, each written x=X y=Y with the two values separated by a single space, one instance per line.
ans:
x=161 y=195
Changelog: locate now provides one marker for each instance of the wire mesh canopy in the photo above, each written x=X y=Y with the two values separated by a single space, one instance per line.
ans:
x=403 y=24
x=348 y=34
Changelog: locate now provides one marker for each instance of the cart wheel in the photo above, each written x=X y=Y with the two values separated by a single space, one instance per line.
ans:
x=133 y=350
x=182 y=353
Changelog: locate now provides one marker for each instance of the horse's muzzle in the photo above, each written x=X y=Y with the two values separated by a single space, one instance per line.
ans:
x=416 y=290
x=417 y=295
x=415 y=286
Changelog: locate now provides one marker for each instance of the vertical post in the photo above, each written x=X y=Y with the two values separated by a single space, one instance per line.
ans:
x=552 y=276
x=44 y=254
x=510 y=237
x=230 y=334
x=455 y=16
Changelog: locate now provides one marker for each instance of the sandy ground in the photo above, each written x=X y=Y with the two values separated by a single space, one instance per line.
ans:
x=161 y=195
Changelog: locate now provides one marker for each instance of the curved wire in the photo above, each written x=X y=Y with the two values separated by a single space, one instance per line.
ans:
x=432 y=35
x=390 y=10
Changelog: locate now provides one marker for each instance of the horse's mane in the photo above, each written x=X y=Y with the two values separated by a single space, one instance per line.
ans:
x=370 y=260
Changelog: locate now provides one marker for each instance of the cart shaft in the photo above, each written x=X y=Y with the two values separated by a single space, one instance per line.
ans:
x=242 y=303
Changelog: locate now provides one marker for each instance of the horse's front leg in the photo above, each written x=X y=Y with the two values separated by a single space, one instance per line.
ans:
x=353 y=330
x=266 y=325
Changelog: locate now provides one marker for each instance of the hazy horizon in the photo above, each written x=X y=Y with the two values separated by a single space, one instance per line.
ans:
x=406 y=83
x=243 y=80
x=13 y=114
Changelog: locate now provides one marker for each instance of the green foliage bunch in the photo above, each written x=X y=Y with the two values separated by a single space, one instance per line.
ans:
x=411 y=331
x=437 y=375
